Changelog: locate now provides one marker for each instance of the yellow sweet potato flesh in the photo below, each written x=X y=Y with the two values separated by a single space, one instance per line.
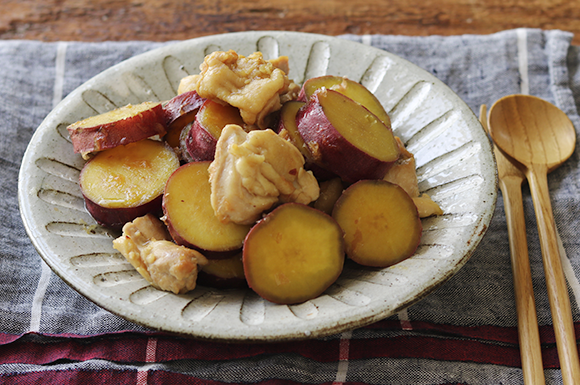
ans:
x=293 y=254
x=330 y=191
x=350 y=88
x=225 y=273
x=357 y=125
x=226 y=268
x=128 y=176
x=213 y=117
x=288 y=123
x=190 y=216
x=380 y=223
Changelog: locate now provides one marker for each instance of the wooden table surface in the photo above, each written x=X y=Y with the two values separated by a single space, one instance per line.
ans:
x=161 y=20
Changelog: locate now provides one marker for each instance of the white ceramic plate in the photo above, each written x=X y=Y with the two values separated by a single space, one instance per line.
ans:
x=455 y=166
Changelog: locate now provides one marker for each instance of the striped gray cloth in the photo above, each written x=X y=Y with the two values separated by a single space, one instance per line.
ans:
x=464 y=333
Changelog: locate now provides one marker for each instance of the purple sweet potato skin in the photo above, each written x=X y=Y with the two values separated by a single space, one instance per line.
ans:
x=115 y=218
x=181 y=106
x=142 y=125
x=331 y=150
x=200 y=144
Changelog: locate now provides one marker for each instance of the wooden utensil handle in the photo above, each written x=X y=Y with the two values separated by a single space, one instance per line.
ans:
x=555 y=280
x=529 y=335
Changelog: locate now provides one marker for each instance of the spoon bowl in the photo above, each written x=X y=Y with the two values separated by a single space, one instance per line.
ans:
x=540 y=137
x=532 y=131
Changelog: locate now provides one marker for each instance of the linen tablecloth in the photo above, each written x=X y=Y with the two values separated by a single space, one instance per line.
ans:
x=463 y=333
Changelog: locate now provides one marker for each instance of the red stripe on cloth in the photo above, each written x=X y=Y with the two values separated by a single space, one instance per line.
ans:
x=71 y=377
x=446 y=349
x=117 y=377
x=8 y=338
x=485 y=332
x=115 y=349
x=318 y=350
x=482 y=344
x=132 y=348
x=435 y=348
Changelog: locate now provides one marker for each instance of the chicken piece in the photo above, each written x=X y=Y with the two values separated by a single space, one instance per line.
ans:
x=281 y=62
x=253 y=171
x=255 y=86
x=188 y=83
x=293 y=89
x=147 y=245
x=404 y=173
x=426 y=206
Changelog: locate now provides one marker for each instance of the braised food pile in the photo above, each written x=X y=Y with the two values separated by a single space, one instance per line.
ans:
x=245 y=178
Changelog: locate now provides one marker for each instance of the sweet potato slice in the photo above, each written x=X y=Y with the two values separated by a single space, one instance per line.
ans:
x=330 y=191
x=190 y=217
x=288 y=129
x=287 y=122
x=223 y=273
x=347 y=87
x=380 y=223
x=345 y=137
x=126 y=182
x=180 y=111
x=120 y=126
x=206 y=129
x=293 y=254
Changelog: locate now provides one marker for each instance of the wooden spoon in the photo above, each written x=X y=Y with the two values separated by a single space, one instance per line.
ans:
x=511 y=179
x=541 y=137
